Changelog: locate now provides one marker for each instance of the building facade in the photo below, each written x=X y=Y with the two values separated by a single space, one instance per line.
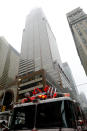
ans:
x=9 y=62
x=78 y=24
x=68 y=72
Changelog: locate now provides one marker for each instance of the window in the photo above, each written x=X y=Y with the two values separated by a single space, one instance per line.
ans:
x=70 y=114
x=78 y=112
x=20 y=118
x=84 y=41
x=49 y=115
x=23 y=118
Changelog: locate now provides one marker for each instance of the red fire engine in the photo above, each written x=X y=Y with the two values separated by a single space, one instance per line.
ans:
x=45 y=111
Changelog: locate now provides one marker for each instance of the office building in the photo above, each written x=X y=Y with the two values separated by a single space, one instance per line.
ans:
x=39 y=48
x=9 y=62
x=69 y=75
x=78 y=24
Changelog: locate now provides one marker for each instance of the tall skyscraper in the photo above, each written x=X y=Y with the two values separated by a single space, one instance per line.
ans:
x=78 y=24
x=39 y=48
x=68 y=73
x=9 y=62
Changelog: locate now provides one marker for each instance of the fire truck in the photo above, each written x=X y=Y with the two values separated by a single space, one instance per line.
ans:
x=42 y=113
x=45 y=111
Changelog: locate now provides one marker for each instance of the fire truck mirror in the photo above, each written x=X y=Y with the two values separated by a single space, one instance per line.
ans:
x=80 y=122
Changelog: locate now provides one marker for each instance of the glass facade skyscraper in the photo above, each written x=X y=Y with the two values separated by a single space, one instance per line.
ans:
x=69 y=75
x=39 y=48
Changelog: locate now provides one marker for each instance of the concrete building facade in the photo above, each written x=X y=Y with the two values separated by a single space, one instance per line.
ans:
x=78 y=24
x=9 y=62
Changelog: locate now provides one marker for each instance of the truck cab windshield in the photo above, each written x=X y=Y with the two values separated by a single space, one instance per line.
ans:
x=44 y=116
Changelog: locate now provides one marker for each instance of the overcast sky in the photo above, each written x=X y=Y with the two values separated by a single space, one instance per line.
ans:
x=12 y=21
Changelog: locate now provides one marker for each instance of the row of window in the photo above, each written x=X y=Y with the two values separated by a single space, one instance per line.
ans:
x=80 y=33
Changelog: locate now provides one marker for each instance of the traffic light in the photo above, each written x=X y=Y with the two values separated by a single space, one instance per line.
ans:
x=3 y=108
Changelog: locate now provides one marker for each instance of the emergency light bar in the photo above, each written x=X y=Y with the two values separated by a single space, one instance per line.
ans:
x=48 y=92
x=44 y=96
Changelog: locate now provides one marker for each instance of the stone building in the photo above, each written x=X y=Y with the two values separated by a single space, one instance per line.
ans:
x=78 y=24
